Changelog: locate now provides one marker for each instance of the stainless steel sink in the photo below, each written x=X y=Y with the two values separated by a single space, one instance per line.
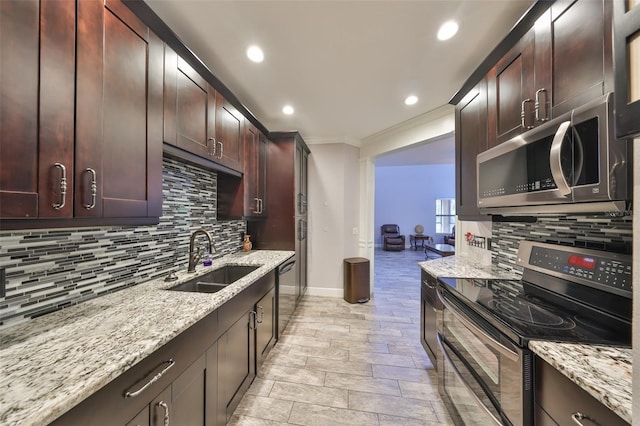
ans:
x=216 y=280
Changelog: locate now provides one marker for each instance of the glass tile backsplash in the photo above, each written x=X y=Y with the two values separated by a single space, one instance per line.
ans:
x=49 y=269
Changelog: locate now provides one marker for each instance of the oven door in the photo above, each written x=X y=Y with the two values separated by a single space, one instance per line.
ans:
x=484 y=373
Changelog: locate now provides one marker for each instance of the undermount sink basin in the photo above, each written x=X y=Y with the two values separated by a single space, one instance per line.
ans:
x=216 y=280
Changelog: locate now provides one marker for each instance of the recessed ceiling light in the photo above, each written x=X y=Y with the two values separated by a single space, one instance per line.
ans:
x=287 y=109
x=411 y=100
x=447 y=30
x=255 y=54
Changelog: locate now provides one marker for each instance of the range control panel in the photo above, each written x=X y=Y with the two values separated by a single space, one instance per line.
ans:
x=610 y=271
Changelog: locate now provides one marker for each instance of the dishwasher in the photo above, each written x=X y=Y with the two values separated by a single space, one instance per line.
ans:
x=286 y=294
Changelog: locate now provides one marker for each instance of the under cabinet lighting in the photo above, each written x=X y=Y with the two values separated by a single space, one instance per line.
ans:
x=447 y=30
x=287 y=109
x=255 y=54
x=411 y=100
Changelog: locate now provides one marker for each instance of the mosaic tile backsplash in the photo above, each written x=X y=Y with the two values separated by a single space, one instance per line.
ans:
x=49 y=269
x=593 y=232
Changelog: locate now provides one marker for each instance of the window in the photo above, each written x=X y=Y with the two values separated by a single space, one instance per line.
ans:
x=445 y=215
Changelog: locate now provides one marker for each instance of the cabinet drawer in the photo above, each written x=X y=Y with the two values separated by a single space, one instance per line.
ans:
x=559 y=398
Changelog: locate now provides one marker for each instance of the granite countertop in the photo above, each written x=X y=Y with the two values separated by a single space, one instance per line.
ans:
x=602 y=371
x=464 y=267
x=52 y=363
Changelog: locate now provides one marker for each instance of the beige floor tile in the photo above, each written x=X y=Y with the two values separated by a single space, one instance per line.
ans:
x=413 y=349
x=264 y=408
x=291 y=374
x=287 y=360
x=401 y=373
x=260 y=387
x=387 y=420
x=360 y=346
x=425 y=391
x=316 y=415
x=383 y=359
x=236 y=420
x=363 y=383
x=347 y=335
x=356 y=368
x=318 y=395
x=306 y=341
x=391 y=405
x=327 y=353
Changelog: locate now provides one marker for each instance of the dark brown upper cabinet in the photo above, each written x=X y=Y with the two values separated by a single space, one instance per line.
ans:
x=189 y=107
x=564 y=61
x=197 y=118
x=36 y=108
x=118 y=165
x=470 y=139
x=81 y=115
x=627 y=69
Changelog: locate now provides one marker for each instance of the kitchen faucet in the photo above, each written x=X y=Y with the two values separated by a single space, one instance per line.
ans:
x=195 y=255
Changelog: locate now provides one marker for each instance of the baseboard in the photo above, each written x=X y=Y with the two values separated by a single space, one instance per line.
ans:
x=325 y=292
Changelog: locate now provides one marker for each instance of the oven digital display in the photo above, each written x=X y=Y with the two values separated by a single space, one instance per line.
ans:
x=582 y=261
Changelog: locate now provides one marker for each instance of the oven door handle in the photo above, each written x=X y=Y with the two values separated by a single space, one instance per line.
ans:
x=466 y=384
x=480 y=334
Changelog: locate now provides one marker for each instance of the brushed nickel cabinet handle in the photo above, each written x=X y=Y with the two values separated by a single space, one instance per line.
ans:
x=257 y=209
x=131 y=394
x=63 y=186
x=165 y=408
x=94 y=188
x=261 y=308
x=261 y=205
x=577 y=418
x=523 y=114
x=221 y=150
x=537 y=105
x=212 y=152
x=253 y=320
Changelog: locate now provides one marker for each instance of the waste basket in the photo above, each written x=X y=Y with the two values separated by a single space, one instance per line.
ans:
x=356 y=280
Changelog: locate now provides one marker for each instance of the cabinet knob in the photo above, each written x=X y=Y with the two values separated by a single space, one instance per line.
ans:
x=63 y=186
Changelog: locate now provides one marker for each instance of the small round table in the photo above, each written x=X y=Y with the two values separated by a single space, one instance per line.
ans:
x=415 y=238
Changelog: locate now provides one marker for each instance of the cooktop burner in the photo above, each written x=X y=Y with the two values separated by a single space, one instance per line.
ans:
x=519 y=309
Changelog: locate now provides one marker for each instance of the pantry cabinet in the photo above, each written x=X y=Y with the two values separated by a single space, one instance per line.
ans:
x=81 y=114
x=564 y=61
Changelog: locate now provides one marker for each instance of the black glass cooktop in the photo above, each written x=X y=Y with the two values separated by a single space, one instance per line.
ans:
x=525 y=311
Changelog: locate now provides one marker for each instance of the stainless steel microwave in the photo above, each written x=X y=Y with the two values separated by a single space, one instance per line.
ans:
x=571 y=164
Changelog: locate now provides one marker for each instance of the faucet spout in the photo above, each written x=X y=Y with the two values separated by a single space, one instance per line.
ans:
x=196 y=254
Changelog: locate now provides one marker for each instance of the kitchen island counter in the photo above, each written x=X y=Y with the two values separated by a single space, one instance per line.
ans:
x=52 y=363
x=604 y=372
x=464 y=267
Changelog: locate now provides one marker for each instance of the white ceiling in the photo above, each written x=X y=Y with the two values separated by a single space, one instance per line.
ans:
x=346 y=66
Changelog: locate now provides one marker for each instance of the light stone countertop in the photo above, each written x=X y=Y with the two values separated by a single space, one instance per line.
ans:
x=464 y=267
x=602 y=371
x=50 y=364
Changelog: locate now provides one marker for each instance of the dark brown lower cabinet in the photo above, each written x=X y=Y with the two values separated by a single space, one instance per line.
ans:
x=559 y=401
x=204 y=371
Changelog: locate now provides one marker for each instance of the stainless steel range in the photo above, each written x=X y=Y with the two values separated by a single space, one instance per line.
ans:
x=566 y=294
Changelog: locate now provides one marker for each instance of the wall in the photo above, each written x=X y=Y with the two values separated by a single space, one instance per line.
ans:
x=50 y=269
x=333 y=214
x=406 y=195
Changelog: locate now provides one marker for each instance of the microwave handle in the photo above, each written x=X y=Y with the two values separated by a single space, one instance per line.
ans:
x=555 y=159
x=460 y=377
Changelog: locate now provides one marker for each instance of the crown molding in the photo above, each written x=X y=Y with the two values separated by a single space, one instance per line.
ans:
x=343 y=140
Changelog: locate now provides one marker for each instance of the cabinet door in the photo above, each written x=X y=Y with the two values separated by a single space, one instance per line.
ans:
x=229 y=146
x=141 y=419
x=236 y=363
x=263 y=164
x=161 y=409
x=471 y=139
x=266 y=323
x=37 y=72
x=573 y=43
x=510 y=93
x=189 y=107
x=627 y=66
x=188 y=395
x=118 y=168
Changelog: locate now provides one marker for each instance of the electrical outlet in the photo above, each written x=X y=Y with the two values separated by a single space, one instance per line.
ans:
x=3 y=282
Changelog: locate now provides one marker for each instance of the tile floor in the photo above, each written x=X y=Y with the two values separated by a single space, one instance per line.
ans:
x=344 y=364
